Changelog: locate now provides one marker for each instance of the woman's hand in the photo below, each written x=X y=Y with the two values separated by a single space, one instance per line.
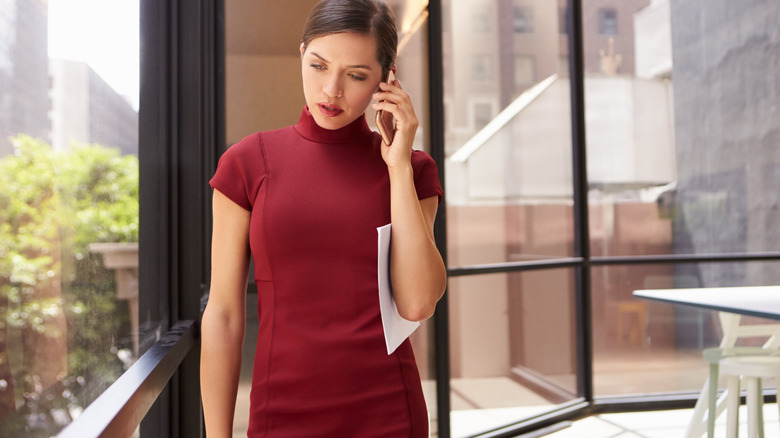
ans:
x=393 y=99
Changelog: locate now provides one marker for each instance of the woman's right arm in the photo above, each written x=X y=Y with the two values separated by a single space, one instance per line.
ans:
x=224 y=319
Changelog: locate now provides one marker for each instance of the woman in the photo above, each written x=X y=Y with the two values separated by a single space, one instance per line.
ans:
x=307 y=200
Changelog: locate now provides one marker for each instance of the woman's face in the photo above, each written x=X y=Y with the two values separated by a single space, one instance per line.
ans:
x=340 y=73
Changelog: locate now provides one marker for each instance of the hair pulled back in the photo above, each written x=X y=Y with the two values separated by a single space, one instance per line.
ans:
x=371 y=17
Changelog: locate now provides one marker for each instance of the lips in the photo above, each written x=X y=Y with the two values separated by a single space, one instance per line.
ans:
x=329 y=110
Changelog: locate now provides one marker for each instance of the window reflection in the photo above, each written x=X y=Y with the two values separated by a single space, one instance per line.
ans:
x=69 y=324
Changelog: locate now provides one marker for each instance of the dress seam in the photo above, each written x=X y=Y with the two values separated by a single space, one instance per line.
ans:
x=273 y=288
x=406 y=394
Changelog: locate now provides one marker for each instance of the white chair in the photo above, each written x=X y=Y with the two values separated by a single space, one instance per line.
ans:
x=709 y=403
x=751 y=369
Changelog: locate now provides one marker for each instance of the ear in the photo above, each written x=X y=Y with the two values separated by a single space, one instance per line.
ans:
x=394 y=69
x=303 y=48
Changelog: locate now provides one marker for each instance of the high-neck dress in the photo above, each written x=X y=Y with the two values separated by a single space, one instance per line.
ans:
x=316 y=198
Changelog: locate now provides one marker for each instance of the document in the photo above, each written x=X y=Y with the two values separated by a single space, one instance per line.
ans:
x=397 y=329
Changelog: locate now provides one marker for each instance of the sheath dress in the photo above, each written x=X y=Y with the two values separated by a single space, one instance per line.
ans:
x=316 y=198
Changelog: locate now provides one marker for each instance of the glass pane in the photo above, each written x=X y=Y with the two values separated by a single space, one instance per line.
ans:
x=69 y=323
x=646 y=347
x=512 y=347
x=508 y=136
x=262 y=41
x=682 y=132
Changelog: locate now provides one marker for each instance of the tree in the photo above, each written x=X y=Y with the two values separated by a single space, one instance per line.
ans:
x=60 y=324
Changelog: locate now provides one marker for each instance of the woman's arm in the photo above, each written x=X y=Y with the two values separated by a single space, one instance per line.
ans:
x=417 y=271
x=416 y=268
x=224 y=320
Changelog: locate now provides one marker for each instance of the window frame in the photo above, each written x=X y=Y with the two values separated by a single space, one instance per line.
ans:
x=181 y=130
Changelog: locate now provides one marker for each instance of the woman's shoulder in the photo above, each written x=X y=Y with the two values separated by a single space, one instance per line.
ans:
x=260 y=138
x=421 y=159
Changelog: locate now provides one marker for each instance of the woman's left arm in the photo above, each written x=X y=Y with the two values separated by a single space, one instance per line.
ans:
x=417 y=271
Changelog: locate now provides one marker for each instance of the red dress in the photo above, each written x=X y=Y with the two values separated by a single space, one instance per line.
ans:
x=321 y=367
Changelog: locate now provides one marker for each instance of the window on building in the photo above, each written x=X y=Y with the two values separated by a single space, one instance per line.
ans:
x=483 y=114
x=608 y=24
x=525 y=70
x=480 y=20
x=481 y=68
x=523 y=19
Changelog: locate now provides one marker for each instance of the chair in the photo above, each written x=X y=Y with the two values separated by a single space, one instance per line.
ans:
x=751 y=369
x=709 y=402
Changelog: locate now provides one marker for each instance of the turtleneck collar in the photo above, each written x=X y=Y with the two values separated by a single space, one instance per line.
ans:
x=308 y=128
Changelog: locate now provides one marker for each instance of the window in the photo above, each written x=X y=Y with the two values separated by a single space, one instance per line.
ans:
x=662 y=186
x=523 y=20
x=480 y=20
x=525 y=70
x=481 y=68
x=509 y=200
x=69 y=208
x=483 y=114
x=608 y=24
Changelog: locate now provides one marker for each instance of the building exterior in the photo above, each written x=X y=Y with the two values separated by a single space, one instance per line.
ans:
x=724 y=111
x=85 y=109
x=24 y=72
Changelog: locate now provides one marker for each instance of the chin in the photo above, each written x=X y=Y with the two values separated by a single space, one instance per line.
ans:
x=331 y=123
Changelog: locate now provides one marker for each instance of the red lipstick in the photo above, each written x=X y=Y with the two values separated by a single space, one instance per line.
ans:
x=329 y=110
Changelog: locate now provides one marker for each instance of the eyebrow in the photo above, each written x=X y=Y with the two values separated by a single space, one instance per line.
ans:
x=351 y=66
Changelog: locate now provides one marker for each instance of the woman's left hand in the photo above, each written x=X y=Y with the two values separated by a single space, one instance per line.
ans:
x=393 y=99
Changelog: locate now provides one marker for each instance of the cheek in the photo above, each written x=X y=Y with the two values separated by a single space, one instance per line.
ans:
x=362 y=96
x=307 y=82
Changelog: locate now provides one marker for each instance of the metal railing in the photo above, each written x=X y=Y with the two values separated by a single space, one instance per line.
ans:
x=120 y=409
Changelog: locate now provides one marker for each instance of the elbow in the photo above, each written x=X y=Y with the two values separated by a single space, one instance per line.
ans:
x=220 y=326
x=419 y=312
x=423 y=307
x=416 y=299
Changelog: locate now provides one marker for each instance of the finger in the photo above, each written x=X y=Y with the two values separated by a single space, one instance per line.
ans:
x=388 y=97
x=396 y=96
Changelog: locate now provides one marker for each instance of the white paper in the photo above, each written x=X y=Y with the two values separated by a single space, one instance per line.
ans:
x=397 y=329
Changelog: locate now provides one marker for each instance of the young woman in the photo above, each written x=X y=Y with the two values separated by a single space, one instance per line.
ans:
x=306 y=201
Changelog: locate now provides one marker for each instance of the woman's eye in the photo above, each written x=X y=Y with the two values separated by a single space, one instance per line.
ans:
x=317 y=66
x=358 y=77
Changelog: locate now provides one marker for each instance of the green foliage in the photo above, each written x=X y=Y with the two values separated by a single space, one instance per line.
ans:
x=52 y=206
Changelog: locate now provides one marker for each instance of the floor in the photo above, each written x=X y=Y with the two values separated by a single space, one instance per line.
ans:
x=655 y=424
x=658 y=424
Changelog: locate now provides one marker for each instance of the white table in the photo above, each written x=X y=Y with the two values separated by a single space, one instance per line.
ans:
x=760 y=301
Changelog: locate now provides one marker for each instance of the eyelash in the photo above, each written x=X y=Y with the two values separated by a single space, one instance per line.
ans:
x=319 y=67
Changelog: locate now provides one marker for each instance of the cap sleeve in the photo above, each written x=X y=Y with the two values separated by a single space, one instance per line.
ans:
x=240 y=171
x=426 y=176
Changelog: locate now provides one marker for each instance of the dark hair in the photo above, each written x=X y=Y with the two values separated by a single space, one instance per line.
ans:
x=371 y=17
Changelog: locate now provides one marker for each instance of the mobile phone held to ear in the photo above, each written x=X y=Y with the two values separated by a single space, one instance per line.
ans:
x=385 y=121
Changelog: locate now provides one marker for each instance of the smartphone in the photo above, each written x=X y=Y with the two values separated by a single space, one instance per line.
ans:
x=385 y=121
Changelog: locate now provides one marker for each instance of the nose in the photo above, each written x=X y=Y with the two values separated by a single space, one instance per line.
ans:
x=333 y=86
